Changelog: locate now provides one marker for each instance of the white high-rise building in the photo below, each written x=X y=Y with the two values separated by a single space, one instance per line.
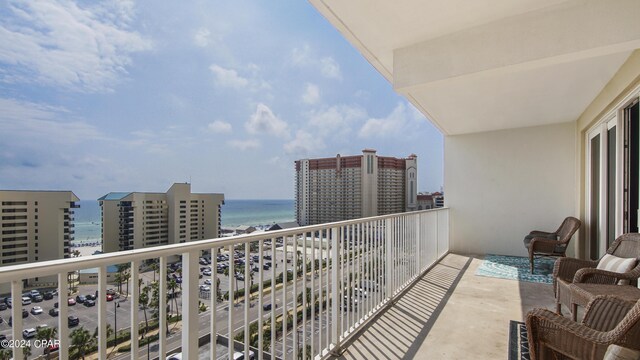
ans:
x=349 y=187
x=134 y=220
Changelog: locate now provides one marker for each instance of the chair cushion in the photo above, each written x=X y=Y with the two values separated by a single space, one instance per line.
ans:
x=617 y=264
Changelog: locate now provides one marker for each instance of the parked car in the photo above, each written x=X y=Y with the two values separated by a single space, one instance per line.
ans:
x=73 y=320
x=48 y=295
x=207 y=282
x=71 y=301
x=90 y=297
x=38 y=298
x=89 y=303
x=109 y=297
x=111 y=291
x=3 y=306
x=34 y=293
x=54 y=312
x=240 y=277
x=36 y=310
x=268 y=306
x=29 y=333
x=267 y=257
x=80 y=299
x=177 y=356
x=26 y=300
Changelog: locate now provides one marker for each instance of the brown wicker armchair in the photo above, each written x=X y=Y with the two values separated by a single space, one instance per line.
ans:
x=551 y=243
x=608 y=320
x=569 y=270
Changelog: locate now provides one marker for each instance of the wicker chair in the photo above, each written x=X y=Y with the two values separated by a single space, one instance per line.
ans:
x=569 y=270
x=551 y=243
x=608 y=320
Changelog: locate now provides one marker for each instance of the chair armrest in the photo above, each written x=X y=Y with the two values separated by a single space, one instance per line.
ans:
x=599 y=276
x=544 y=234
x=562 y=334
x=566 y=268
x=605 y=312
x=543 y=244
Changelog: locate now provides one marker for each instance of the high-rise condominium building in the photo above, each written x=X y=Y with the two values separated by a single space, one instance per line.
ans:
x=349 y=187
x=36 y=226
x=134 y=220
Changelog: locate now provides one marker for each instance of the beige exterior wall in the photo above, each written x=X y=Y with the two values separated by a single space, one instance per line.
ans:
x=502 y=184
x=35 y=226
x=160 y=218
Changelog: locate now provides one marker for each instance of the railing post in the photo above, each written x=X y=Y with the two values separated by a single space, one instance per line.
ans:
x=190 y=322
x=102 y=312
x=388 y=259
x=16 y=313
x=63 y=328
x=162 y=326
x=418 y=253
x=135 y=324
x=335 y=284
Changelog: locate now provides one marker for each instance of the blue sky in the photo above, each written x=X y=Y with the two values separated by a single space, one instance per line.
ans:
x=134 y=96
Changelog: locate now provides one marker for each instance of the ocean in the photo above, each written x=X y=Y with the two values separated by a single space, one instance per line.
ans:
x=234 y=213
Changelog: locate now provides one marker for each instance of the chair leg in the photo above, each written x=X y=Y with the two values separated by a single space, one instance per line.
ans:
x=558 y=308
x=574 y=312
x=531 y=259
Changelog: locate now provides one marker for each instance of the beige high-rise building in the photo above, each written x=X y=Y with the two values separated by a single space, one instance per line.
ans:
x=349 y=187
x=36 y=226
x=134 y=220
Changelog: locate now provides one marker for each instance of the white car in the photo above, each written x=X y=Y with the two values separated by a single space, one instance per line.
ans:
x=36 y=310
x=204 y=288
x=29 y=333
x=207 y=282
x=206 y=272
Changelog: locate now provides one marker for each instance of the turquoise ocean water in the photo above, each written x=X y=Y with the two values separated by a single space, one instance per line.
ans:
x=234 y=213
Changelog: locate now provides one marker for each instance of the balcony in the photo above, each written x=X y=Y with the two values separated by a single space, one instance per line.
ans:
x=364 y=264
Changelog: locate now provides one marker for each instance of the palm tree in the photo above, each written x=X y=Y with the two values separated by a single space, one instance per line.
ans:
x=82 y=341
x=46 y=335
x=121 y=275
x=5 y=354
x=26 y=352
x=155 y=267
x=173 y=286
x=143 y=300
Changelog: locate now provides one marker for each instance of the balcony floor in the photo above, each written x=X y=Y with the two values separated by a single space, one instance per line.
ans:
x=450 y=313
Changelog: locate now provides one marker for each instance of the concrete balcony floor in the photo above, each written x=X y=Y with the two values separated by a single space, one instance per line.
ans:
x=450 y=313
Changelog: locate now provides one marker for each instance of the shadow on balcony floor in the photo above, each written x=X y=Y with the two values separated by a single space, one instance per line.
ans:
x=450 y=314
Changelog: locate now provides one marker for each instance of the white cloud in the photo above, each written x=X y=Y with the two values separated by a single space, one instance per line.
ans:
x=393 y=124
x=263 y=121
x=301 y=56
x=330 y=68
x=244 y=144
x=80 y=48
x=228 y=77
x=305 y=57
x=202 y=37
x=336 y=120
x=232 y=79
x=304 y=144
x=311 y=94
x=220 y=126
x=26 y=120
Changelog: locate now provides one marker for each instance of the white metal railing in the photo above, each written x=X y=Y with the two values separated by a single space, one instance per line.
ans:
x=325 y=281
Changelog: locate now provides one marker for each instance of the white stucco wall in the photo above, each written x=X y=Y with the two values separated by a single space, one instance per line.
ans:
x=502 y=184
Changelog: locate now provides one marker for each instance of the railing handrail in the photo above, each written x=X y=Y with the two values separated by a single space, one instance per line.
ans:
x=44 y=268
